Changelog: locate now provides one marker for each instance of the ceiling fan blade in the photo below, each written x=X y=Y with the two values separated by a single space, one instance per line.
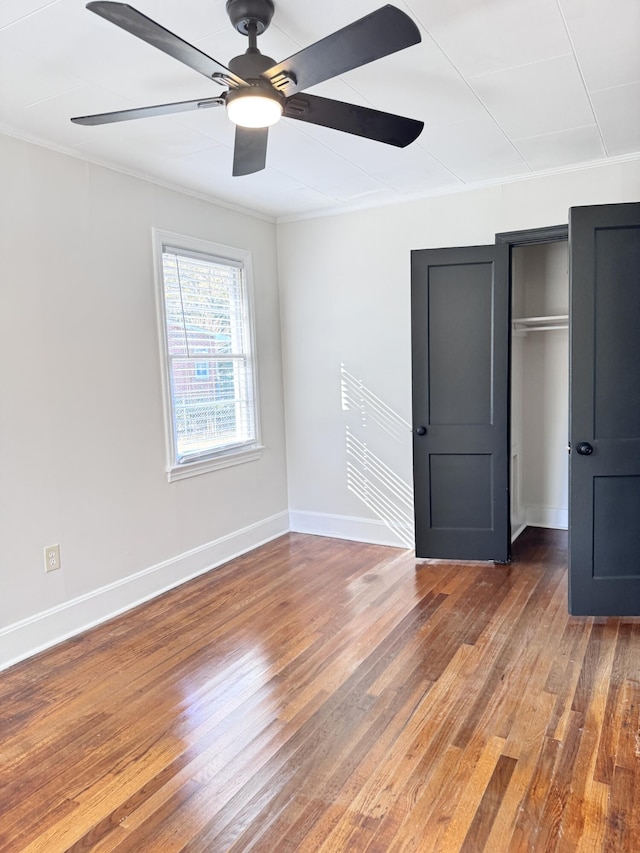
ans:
x=146 y=112
x=250 y=150
x=360 y=121
x=378 y=34
x=134 y=22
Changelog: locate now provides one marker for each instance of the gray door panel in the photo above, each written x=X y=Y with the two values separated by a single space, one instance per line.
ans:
x=460 y=347
x=604 y=512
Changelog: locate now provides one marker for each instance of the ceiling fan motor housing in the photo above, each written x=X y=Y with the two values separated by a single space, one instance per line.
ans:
x=251 y=64
x=243 y=13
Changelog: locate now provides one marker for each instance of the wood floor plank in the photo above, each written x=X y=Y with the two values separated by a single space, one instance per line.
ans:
x=458 y=835
x=596 y=804
x=628 y=747
x=484 y=817
x=529 y=820
x=450 y=802
x=525 y=744
x=513 y=662
x=622 y=833
x=566 y=690
x=590 y=699
x=548 y=833
x=610 y=732
x=388 y=797
x=323 y=696
x=412 y=834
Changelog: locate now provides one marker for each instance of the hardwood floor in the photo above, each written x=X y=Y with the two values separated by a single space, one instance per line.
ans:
x=321 y=695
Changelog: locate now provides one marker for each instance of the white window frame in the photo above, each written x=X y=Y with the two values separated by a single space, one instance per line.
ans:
x=235 y=454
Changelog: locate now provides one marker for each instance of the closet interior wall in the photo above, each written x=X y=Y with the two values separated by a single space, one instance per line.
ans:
x=539 y=386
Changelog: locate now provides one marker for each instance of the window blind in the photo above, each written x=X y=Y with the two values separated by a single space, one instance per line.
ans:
x=209 y=357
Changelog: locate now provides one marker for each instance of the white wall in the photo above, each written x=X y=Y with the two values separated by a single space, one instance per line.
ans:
x=540 y=389
x=345 y=294
x=545 y=470
x=82 y=455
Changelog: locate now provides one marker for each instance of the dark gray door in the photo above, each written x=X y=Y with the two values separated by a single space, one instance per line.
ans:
x=604 y=469
x=460 y=347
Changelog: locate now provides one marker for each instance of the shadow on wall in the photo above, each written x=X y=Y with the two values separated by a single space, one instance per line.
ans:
x=373 y=482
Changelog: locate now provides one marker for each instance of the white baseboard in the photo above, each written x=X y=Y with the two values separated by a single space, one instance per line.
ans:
x=374 y=531
x=516 y=531
x=547 y=516
x=39 y=632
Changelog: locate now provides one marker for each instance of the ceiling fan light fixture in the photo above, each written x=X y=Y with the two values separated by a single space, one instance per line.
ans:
x=253 y=107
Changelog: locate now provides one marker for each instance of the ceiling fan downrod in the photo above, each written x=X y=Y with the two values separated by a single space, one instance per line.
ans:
x=251 y=18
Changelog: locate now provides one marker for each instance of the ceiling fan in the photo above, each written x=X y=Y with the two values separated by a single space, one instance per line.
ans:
x=260 y=91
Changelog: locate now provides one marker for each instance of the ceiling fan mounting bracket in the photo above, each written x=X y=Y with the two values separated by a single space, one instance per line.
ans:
x=283 y=79
x=297 y=106
x=244 y=13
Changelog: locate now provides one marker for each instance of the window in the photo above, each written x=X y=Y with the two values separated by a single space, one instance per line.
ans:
x=206 y=323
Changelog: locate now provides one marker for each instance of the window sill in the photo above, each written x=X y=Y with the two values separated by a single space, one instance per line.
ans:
x=204 y=466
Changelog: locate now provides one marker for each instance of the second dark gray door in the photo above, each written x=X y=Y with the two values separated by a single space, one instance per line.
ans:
x=604 y=470
x=460 y=348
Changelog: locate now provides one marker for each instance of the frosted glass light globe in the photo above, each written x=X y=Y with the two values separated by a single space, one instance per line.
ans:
x=254 y=110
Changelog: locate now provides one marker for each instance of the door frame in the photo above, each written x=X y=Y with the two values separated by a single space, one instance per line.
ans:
x=549 y=234
x=514 y=239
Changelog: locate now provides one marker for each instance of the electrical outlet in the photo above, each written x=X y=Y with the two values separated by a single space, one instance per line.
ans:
x=51 y=558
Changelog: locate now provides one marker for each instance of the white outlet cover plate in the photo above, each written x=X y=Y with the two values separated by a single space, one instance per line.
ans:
x=51 y=558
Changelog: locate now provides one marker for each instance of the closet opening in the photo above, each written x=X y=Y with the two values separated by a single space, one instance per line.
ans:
x=539 y=410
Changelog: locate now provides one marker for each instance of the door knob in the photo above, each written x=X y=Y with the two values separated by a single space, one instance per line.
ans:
x=584 y=448
x=422 y=430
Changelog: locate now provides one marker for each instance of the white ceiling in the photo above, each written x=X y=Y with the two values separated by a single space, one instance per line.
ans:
x=505 y=88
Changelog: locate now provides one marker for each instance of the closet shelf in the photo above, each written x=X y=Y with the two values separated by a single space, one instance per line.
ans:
x=541 y=324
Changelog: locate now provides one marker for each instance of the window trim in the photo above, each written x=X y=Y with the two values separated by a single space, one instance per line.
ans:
x=235 y=454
